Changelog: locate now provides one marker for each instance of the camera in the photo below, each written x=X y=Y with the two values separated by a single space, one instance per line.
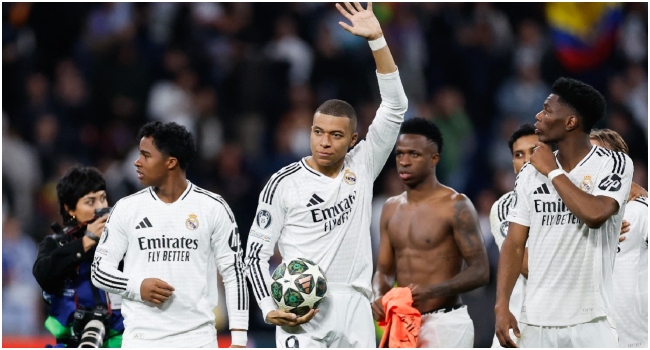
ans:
x=101 y=212
x=89 y=326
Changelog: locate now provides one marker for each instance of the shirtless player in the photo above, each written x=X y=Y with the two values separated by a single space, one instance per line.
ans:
x=426 y=233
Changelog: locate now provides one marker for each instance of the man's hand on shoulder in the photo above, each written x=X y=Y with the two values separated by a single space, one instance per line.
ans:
x=364 y=22
x=155 y=290
x=282 y=318
x=636 y=191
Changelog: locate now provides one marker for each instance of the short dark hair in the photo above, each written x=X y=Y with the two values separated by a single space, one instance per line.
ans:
x=524 y=130
x=424 y=127
x=76 y=183
x=588 y=103
x=339 y=108
x=172 y=140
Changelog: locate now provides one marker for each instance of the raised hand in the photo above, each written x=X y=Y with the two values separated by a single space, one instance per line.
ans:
x=155 y=290
x=364 y=22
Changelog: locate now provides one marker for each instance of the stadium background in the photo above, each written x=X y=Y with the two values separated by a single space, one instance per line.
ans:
x=79 y=79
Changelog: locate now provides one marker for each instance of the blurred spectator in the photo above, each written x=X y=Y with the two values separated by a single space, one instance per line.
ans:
x=22 y=172
x=288 y=46
x=20 y=292
x=454 y=167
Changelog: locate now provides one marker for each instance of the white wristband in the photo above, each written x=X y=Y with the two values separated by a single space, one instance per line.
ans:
x=377 y=43
x=239 y=338
x=555 y=173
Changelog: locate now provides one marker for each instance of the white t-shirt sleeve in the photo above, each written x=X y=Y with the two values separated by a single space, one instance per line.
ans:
x=110 y=250
x=615 y=178
x=226 y=245
x=382 y=133
x=519 y=211
x=496 y=222
x=265 y=232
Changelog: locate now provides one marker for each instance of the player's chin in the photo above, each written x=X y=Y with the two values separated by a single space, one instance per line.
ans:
x=325 y=162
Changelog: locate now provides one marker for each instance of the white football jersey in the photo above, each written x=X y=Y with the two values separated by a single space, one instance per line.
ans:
x=631 y=278
x=499 y=228
x=179 y=243
x=323 y=219
x=569 y=264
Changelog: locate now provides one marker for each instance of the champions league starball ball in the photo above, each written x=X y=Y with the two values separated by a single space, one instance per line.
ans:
x=298 y=286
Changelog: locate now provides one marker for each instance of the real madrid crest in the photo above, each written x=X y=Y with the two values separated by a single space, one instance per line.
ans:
x=586 y=185
x=349 y=177
x=192 y=223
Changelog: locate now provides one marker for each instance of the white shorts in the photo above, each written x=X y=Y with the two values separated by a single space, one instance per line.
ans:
x=344 y=320
x=453 y=329
x=597 y=333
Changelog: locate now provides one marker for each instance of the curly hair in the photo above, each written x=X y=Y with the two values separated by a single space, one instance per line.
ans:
x=76 y=183
x=339 y=108
x=172 y=140
x=587 y=102
x=524 y=130
x=424 y=127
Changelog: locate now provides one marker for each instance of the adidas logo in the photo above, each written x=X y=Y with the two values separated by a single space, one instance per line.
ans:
x=314 y=200
x=144 y=224
x=542 y=190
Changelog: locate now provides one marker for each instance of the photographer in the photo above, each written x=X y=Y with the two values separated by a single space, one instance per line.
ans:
x=62 y=267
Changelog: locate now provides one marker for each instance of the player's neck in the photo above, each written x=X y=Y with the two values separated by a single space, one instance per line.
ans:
x=572 y=150
x=329 y=171
x=171 y=189
x=422 y=190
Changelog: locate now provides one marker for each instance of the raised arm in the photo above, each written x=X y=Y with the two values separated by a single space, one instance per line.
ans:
x=382 y=133
x=385 y=276
x=366 y=25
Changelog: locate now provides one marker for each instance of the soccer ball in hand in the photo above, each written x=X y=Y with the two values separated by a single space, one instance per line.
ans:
x=298 y=286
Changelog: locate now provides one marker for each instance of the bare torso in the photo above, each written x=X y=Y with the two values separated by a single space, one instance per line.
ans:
x=422 y=237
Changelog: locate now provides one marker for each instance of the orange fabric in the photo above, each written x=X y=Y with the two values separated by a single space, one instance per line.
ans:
x=402 y=323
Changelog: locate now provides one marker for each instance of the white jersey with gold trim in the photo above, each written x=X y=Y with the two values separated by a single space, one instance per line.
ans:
x=182 y=243
x=323 y=219
x=570 y=265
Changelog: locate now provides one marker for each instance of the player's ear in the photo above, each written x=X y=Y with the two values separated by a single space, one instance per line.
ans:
x=571 y=122
x=435 y=158
x=354 y=139
x=171 y=162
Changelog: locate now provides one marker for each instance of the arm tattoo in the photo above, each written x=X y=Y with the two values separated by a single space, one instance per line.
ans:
x=464 y=222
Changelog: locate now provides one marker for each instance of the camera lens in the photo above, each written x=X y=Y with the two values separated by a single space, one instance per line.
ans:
x=93 y=335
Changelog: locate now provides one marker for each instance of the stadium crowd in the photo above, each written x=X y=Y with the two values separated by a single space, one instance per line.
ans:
x=79 y=79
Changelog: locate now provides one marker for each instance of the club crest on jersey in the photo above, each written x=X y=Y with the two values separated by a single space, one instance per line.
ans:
x=504 y=228
x=586 y=185
x=192 y=223
x=263 y=219
x=349 y=177
x=105 y=234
